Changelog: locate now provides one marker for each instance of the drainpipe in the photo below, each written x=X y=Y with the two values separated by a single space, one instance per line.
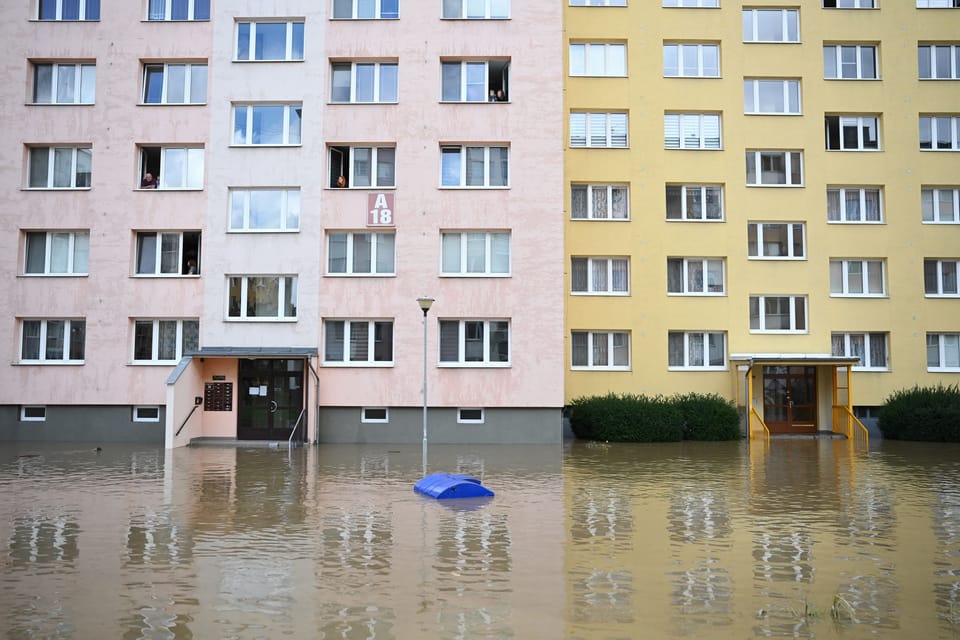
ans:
x=746 y=404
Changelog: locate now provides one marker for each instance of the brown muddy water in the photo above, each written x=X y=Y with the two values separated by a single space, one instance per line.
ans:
x=802 y=539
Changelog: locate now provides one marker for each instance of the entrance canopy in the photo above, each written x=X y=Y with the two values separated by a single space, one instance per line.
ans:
x=255 y=352
x=811 y=359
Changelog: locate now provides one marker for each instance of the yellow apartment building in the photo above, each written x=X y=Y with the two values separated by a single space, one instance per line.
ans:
x=763 y=201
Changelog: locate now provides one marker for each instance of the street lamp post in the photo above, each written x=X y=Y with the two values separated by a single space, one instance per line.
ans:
x=425 y=304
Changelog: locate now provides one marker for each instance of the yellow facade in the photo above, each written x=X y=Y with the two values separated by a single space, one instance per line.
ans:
x=902 y=311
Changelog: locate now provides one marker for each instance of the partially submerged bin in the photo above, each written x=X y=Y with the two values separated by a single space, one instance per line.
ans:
x=451 y=485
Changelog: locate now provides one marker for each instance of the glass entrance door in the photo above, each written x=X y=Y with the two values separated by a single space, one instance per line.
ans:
x=790 y=399
x=270 y=398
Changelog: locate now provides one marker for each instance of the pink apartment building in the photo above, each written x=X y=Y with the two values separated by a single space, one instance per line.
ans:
x=314 y=168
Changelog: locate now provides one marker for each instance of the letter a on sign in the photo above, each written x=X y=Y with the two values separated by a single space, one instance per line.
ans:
x=380 y=210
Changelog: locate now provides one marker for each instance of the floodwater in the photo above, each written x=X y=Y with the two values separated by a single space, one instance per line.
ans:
x=800 y=538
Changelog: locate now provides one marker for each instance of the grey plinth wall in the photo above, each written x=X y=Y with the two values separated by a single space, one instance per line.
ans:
x=81 y=424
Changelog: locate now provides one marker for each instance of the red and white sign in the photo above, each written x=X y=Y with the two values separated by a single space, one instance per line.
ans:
x=380 y=210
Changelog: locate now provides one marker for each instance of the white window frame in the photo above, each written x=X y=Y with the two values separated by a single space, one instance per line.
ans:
x=286 y=209
x=465 y=241
x=601 y=130
x=158 y=271
x=84 y=83
x=25 y=408
x=77 y=160
x=168 y=12
x=179 y=340
x=837 y=200
x=464 y=420
x=347 y=342
x=191 y=160
x=376 y=90
x=65 y=359
x=692 y=131
x=351 y=238
x=290 y=40
x=860 y=272
x=935 y=122
x=81 y=11
x=934 y=203
x=378 y=10
x=76 y=258
x=705 y=265
x=699 y=194
x=789 y=158
x=469 y=88
x=927 y=52
x=692 y=4
x=835 y=51
x=599 y=340
x=762 y=249
x=789 y=89
x=845 y=344
x=849 y=4
x=859 y=123
x=486 y=346
x=706 y=339
x=684 y=49
x=291 y=136
x=942 y=342
x=789 y=18
x=284 y=281
x=943 y=270
x=366 y=419
x=591 y=194
x=492 y=9
x=761 y=325
x=598 y=59
x=938 y=4
x=140 y=410
x=595 y=264
x=189 y=70
x=448 y=150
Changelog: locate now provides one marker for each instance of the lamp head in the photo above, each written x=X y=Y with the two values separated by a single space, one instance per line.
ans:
x=425 y=303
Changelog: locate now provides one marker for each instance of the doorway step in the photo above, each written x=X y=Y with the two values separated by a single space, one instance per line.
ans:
x=244 y=444
x=819 y=435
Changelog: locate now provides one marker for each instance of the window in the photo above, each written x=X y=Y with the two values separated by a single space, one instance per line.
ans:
x=850 y=62
x=852 y=133
x=175 y=83
x=598 y=3
x=264 y=210
x=854 y=204
x=60 y=167
x=774 y=168
x=475 y=342
x=374 y=415
x=269 y=41
x=474 y=166
x=363 y=82
x=940 y=277
x=64 y=83
x=770 y=96
x=943 y=352
x=470 y=416
x=775 y=240
x=691 y=131
x=600 y=350
x=778 y=314
x=694 y=202
x=56 y=253
x=940 y=133
x=363 y=166
x=164 y=341
x=266 y=124
x=357 y=253
x=869 y=348
x=849 y=4
x=771 y=25
x=168 y=253
x=475 y=253
x=33 y=413
x=598 y=129
x=691 y=60
x=598 y=59
x=69 y=10
x=262 y=297
x=940 y=204
x=146 y=414
x=939 y=62
x=600 y=276
x=52 y=341
x=857 y=278
x=366 y=9
x=699 y=4
x=358 y=342
x=476 y=9
x=474 y=80
x=938 y=4
x=696 y=350
x=174 y=167
x=178 y=10
x=695 y=276
x=599 y=202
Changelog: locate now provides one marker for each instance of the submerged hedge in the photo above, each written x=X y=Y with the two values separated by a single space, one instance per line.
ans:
x=637 y=418
x=930 y=414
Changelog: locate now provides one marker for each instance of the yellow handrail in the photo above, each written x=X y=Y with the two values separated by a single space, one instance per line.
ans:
x=849 y=425
x=755 y=418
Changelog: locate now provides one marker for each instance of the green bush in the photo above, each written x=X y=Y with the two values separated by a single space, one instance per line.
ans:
x=929 y=414
x=707 y=417
x=626 y=418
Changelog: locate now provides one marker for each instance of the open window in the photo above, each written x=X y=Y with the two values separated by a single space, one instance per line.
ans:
x=172 y=167
x=362 y=166
x=475 y=81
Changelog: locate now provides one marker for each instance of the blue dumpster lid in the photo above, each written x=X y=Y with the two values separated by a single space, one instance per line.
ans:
x=451 y=485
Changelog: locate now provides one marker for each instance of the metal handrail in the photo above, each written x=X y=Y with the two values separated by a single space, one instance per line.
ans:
x=856 y=430
x=295 y=427
x=756 y=414
x=185 y=420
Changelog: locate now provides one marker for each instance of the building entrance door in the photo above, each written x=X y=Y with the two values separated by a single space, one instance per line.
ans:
x=270 y=398
x=790 y=399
